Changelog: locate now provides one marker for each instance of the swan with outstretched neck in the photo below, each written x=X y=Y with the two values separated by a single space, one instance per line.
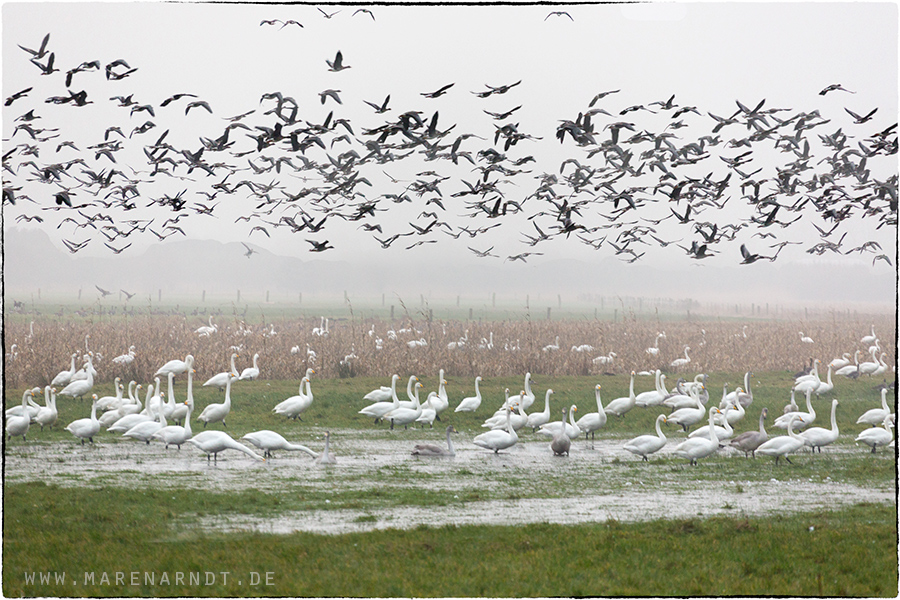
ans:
x=644 y=445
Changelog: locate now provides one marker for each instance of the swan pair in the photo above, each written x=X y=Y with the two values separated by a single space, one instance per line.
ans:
x=294 y=406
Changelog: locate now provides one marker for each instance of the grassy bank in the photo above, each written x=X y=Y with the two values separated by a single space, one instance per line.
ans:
x=849 y=552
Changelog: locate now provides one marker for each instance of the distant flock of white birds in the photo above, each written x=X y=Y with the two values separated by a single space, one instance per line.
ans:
x=688 y=405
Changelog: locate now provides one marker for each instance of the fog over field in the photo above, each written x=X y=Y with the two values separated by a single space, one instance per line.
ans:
x=186 y=267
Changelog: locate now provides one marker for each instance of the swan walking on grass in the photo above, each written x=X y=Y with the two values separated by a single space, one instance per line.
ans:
x=250 y=373
x=219 y=380
x=816 y=437
x=471 y=403
x=877 y=436
x=213 y=413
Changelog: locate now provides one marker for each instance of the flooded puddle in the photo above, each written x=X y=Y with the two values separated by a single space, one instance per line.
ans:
x=526 y=484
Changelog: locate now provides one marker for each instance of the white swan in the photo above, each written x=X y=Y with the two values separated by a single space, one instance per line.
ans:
x=251 y=373
x=180 y=414
x=48 y=415
x=382 y=394
x=850 y=370
x=816 y=437
x=112 y=402
x=145 y=430
x=133 y=406
x=680 y=362
x=654 y=349
x=808 y=417
x=869 y=367
x=749 y=441
x=876 y=416
x=497 y=439
x=868 y=339
x=176 y=435
x=784 y=444
x=206 y=331
x=528 y=399
x=572 y=429
x=28 y=408
x=536 y=419
x=434 y=450
x=379 y=408
x=653 y=397
x=620 y=406
x=411 y=403
x=840 y=363
x=806 y=339
x=428 y=414
x=743 y=395
x=326 y=458
x=689 y=416
x=63 y=378
x=604 y=360
x=442 y=401
x=471 y=403
x=405 y=416
x=877 y=436
x=212 y=442
x=176 y=366
x=267 y=441
x=882 y=366
x=214 y=413
x=722 y=432
x=18 y=425
x=551 y=347
x=125 y=359
x=219 y=380
x=169 y=407
x=128 y=421
x=699 y=447
x=591 y=422
x=86 y=429
x=79 y=388
x=294 y=406
x=643 y=445
x=561 y=442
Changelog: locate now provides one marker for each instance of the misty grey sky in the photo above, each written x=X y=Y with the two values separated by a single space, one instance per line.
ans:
x=707 y=55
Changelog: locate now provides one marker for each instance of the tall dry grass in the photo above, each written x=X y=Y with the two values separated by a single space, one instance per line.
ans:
x=715 y=345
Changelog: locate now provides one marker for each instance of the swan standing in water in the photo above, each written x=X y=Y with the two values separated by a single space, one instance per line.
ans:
x=784 y=444
x=816 y=437
x=471 y=403
x=214 y=413
x=561 y=443
x=327 y=458
x=877 y=436
x=749 y=441
x=405 y=416
x=144 y=431
x=176 y=435
x=379 y=409
x=700 y=447
x=86 y=429
x=643 y=445
x=434 y=450
x=251 y=373
x=498 y=439
x=591 y=422
x=269 y=440
x=219 y=380
x=537 y=419
x=212 y=442
x=572 y=429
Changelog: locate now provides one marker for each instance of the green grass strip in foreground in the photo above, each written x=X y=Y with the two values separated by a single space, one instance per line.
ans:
x=48 y=529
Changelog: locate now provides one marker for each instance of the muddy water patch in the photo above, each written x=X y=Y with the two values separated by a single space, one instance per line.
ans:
x=757 y=499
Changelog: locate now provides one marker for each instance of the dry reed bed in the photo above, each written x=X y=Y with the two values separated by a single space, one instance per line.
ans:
x=517 y=346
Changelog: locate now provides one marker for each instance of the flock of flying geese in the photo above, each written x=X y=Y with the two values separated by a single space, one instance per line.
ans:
x=620 y=183
x=687 y=405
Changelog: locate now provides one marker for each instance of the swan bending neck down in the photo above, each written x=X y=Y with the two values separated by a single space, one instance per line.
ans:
x=212 y=442
x=269 y=440
x=434 y=450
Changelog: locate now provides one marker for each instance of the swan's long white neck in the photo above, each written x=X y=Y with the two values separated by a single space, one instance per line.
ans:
x=659 y=432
